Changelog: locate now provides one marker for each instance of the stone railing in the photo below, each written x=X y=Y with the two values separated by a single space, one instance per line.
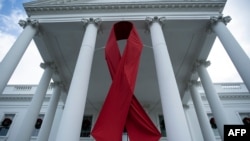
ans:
x=23 y=89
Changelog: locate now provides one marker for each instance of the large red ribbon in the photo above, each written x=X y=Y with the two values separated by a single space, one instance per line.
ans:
x=121 y=109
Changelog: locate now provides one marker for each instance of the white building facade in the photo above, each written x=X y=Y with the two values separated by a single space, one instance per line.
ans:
x=71 y=35
x=16 y=99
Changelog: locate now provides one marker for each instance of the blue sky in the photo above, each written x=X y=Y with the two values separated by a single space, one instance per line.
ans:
x=29 y=72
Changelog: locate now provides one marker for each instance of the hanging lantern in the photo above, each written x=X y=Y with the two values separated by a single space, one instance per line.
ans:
x=6 y=122
x=246 y=121
x=213 y=124
x=38 y=124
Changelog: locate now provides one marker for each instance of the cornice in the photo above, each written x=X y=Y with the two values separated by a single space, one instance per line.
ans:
x=43 y=8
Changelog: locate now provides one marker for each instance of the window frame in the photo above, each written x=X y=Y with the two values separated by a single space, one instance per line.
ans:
x=163 y=132
x=242 y=115
x=91 y=126
x=215 y=130
x=35 y=131
x=12 y=117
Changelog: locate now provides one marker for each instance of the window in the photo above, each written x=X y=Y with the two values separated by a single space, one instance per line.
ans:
x=213 y=125
x=162 y=126
x=6 y=124
x=86 y=126
x=245 y=118
x=38 y=125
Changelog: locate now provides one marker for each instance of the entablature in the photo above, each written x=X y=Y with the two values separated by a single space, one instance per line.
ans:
x=70 y=7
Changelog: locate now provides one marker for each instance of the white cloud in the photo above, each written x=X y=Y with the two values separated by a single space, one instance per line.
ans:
x=28 y=70
x=9 y=23
x=1 y=4
x=9 y=29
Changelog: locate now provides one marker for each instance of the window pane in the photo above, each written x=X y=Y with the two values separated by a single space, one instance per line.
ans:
x=245 y=118
x=213 y=125
x=162 y=126
x=4 y=131
x=38 y=125
x=86 y=126
x=6 y=123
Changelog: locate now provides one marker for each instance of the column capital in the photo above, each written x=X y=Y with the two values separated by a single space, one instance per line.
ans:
x=194 y=83
x=205 y=63
x=151 y=20
x=58 y=84
x=225 y=20
x=48 y=64
x=33 y=23
x=214 y=20
x=96 y=21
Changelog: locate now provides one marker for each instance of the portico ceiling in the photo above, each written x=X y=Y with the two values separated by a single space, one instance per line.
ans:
x=186 y=34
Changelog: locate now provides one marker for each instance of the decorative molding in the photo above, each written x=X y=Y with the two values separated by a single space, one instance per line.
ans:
x=225 y=20
x=19 y=97
x=51 y=65
x=231 y=97
x=33 y=23
x=202 y=62
x=160 y=20
x=96 y=21
x=58 y=84
x=198 y=63
x=33 y=7
x=150 y=20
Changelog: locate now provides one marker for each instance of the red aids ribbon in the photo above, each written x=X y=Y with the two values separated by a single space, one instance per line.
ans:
x=121 y=110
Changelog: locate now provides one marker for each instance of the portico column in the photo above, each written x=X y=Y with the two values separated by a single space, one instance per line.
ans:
x=71 y=122
x=174 y=116
x=206 y=129
x=239 y=58
x=33 y=110
x=49 y=115
x=14 y=55
x=212 y=97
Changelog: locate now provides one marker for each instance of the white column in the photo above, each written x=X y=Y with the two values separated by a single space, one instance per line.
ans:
x=174 y=116
x=14 y=55
x=239 y=58
x=206 y=129
x=49 y=116
x=33 y=110
x=71 y=122
x=212 y=97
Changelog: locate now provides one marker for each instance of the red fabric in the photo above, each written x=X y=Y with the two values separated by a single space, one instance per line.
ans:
x=121 y=108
